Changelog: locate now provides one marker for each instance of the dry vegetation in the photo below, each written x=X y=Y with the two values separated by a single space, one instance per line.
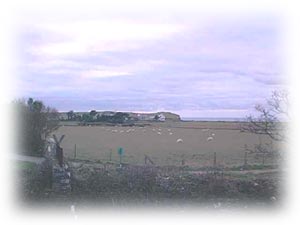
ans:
x=160 y=142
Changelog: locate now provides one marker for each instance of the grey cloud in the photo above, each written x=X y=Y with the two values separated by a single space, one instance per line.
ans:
x=225 y=65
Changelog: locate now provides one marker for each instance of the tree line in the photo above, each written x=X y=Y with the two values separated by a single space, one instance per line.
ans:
x=93 y=116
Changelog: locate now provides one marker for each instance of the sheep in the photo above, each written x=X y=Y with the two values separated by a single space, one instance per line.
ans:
x=210 y=138
x=179 y=140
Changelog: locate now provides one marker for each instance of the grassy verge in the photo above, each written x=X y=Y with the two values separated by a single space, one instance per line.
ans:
x=28 y=166
x=252 y=167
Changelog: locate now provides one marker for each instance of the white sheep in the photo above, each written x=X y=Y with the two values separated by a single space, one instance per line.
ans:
x=179 y=140
x=210 y=138
x=170 y=133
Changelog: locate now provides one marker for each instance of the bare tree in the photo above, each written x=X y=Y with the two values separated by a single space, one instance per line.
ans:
x=271 y=117
x=71 y=115
x=37 y=122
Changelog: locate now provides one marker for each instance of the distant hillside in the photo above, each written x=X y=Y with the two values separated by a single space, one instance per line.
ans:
x=159 y=116
x=171 y=116
x=117 y=117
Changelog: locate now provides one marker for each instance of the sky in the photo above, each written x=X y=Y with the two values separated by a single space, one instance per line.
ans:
x=193 y=64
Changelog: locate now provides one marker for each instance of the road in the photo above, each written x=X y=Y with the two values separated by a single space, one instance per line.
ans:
x=32 y=159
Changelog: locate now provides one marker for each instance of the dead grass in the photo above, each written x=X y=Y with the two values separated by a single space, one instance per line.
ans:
x=99 y=142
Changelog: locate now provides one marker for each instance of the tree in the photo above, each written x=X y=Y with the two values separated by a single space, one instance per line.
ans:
x=93 y=113
x=270 y=120
x=86 y=117
x=120 y=117
x=71 y=115
x=78 y=117
x=37 y=122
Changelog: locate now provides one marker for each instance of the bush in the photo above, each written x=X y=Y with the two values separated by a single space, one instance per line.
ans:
x=37 y=122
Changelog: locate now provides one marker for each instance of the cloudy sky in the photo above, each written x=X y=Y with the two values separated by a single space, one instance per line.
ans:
x=189 y=63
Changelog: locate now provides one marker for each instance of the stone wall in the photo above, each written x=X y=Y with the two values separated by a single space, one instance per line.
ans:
x=61 y=176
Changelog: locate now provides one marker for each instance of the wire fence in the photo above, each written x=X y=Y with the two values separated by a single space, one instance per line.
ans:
x=243 y=160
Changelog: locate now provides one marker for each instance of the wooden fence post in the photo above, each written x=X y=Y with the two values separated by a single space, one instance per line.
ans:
x=110 y=155
x=246 y=159
x=263 y=156
x=215 y=159
x=59 y=150
x=183 y=162
x=60 y=155
x=75 y=153
x=148 y=159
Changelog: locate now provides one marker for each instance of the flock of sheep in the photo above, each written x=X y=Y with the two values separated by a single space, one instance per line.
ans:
x=158 y=131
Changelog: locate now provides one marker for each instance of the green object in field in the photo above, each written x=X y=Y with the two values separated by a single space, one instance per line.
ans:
x=120 y=151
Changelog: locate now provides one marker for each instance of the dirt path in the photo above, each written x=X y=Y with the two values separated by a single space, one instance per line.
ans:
x=32 y=159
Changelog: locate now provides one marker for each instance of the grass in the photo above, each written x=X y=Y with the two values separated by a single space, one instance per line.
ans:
x=96 y=142
x=242 y=177
x=252 y=167
x=26 y=166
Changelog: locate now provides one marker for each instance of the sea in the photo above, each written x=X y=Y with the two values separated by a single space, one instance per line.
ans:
x=228 y=119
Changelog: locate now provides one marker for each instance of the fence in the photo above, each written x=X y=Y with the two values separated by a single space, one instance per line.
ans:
x=244 y=160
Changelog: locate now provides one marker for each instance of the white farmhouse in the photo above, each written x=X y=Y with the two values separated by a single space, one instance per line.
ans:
x=161 y=117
